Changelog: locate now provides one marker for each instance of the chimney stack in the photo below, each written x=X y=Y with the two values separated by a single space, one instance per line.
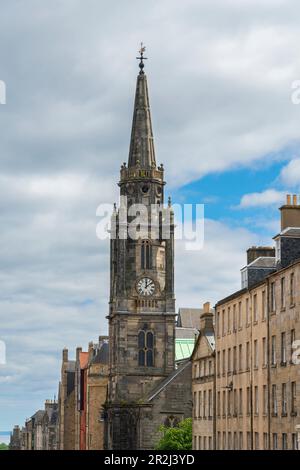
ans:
x=290 y=212
x=65 y=355
x=206 y=318
x=91 y=350
x=78 y=351
x=257 y=251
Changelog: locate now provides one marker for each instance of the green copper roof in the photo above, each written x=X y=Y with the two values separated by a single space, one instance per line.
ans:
x=183 y=348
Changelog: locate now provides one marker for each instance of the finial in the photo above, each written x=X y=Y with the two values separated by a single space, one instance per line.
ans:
x=115 y=207
x=169 y=201
x=141 y=58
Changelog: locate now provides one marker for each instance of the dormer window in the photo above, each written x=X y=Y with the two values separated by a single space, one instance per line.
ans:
x=278 y=250
x=244 y=274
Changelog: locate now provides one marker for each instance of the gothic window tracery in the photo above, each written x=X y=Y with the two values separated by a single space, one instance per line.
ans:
x=145 y=347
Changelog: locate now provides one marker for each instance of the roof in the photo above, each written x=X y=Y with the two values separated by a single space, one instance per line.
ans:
x=38 y=416
x=189 y=317
x=184 y=348
x=211 y=340
x=141 y=150
x=186 y=333
x=101 y=356
x=263 y=262
x=52 y=413
x=289 y=232
x=70 y=366
x=162 y=385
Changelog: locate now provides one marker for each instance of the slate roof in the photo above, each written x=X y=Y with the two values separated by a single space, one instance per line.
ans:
x=211 y=340
x=189 y=317
x=162 y=385
x=290 y=232
x=186 y=333
x=71 y=366
x=102 y=354
x=38 y=416
x=263 y=262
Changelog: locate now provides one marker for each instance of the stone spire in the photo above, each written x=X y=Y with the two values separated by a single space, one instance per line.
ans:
x=141 y=152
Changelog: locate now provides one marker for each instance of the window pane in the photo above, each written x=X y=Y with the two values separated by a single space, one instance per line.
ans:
x=141 y=339
x=149 y=358
x=149 y=340
x=141 y=357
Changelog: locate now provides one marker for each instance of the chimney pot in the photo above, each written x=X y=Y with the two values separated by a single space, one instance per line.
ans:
x=288 y=199
x=294 y=200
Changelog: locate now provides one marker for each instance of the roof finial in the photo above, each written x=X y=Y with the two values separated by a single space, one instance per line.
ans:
x=141 y=58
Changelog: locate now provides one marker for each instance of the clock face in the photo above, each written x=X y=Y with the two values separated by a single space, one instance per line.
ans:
x=146 y=286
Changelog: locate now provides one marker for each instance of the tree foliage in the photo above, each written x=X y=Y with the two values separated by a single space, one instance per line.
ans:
x=3 y=446
x=177 y=438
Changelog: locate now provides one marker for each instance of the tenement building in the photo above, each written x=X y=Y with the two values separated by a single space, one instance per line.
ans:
x=257 y=360
x=82 y=394
x=91 y=377
x=203 y=383
x=145 y=389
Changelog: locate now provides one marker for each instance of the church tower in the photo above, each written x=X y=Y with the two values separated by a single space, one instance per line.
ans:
x=142 y=304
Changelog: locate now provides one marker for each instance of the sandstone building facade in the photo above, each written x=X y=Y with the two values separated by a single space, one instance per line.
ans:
x=257 y=347
x=203 y=383
x=82 y=394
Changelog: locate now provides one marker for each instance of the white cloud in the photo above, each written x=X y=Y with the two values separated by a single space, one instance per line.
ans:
x=213 y=272
x=290 y=174
x=262 y=199
x=220 y=75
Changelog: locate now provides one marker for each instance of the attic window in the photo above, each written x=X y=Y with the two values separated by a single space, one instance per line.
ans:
x=278 y=249
x=244 y=274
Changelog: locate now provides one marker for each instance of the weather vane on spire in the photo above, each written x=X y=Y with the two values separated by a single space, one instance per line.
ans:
x=141 y=58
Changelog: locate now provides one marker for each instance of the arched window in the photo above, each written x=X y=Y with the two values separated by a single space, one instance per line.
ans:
x=145 y=347
x=146 y=255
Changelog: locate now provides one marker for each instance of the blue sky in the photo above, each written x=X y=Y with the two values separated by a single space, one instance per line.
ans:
x=220 y=76
x=223 y=205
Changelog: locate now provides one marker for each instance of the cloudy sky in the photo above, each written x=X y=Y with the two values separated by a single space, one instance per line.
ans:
x=220 y=76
